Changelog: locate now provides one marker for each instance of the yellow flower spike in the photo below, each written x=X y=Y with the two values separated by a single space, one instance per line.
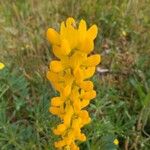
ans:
x=53 y=36
x=68 y=76
x=1 y=66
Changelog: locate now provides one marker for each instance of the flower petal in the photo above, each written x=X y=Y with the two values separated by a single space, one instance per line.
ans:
x=92 y=32
x=56 y=101
x=53 y=36
x=56 y=66
x=92 y=60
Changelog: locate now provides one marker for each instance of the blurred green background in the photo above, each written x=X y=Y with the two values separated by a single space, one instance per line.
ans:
x=122 y=107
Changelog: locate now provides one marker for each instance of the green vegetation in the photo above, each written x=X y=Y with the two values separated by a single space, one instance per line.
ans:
x=122 y=107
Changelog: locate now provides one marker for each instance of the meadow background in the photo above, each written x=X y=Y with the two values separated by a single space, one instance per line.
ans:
x=122 y=107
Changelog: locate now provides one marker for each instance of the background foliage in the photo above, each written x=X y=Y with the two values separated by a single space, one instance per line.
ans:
x=122 y=107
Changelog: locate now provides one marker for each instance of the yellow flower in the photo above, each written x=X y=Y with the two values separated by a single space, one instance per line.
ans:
x=1 y=66
x=60 y=129
x=68 y=75
x=116 y=142
x=56 y=66
x=57 y=101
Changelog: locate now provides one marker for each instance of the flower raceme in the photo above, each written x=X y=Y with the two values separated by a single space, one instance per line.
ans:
x=68 y=75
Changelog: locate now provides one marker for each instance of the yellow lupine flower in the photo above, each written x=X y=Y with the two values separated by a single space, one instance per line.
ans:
x=1 y=65
x=68 y=75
